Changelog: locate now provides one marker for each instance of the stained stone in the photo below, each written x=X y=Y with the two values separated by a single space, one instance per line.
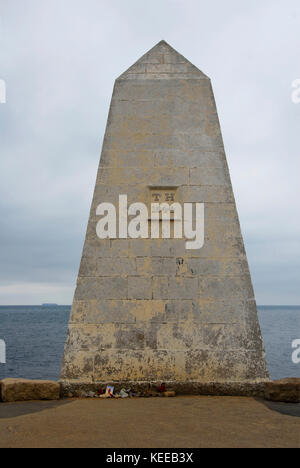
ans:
x=149 y=310
x=25 y=390
x=285 y=390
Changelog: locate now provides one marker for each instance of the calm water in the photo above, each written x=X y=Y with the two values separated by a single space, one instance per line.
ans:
x=35 y=338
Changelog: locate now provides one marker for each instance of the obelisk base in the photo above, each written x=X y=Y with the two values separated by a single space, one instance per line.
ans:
x=246 y=388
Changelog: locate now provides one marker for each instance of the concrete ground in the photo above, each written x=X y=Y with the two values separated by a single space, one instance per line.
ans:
x=181 y=422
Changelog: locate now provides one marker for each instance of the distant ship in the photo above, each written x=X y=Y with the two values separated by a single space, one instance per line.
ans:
x=49 y=305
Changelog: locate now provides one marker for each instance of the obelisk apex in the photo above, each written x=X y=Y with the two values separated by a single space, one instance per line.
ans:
x=162 y=62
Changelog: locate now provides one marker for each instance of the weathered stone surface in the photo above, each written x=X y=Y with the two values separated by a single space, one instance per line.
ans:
x=181 y=388
x=26 y=390
x=149 y=310
x=287 y=390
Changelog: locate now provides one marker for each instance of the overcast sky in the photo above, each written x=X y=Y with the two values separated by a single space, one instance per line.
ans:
x=59 y=59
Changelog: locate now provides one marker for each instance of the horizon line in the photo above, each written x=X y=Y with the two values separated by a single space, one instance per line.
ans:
x=70 y=305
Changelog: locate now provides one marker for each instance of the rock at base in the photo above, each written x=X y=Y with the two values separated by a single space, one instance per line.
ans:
x=26 y=390
x=286 y=390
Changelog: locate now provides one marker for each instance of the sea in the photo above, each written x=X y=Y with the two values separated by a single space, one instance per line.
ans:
x=35 y=338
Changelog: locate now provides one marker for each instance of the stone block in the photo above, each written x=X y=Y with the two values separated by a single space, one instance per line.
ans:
x=139 y=287
x=206 y=194
x=226 y=288
x=121 y=365
x=90 y=288
x=115 y=267
x=211 y=176
x=147 y=266
x=27 y=390
x=286 y=390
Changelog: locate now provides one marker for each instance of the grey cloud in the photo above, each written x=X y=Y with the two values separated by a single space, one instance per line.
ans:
x=59 y=61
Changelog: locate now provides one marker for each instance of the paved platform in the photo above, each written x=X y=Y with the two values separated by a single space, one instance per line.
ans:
x=181 y=422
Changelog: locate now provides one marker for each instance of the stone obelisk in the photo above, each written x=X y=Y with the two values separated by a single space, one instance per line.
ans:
x=149 y=310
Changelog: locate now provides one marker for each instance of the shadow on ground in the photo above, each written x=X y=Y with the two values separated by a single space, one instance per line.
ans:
x=288 y=409
x=13 y=410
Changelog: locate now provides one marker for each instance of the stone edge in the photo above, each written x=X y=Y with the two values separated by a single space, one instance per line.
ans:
x=33 y=380
x=247 y=389
x=181 y=388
